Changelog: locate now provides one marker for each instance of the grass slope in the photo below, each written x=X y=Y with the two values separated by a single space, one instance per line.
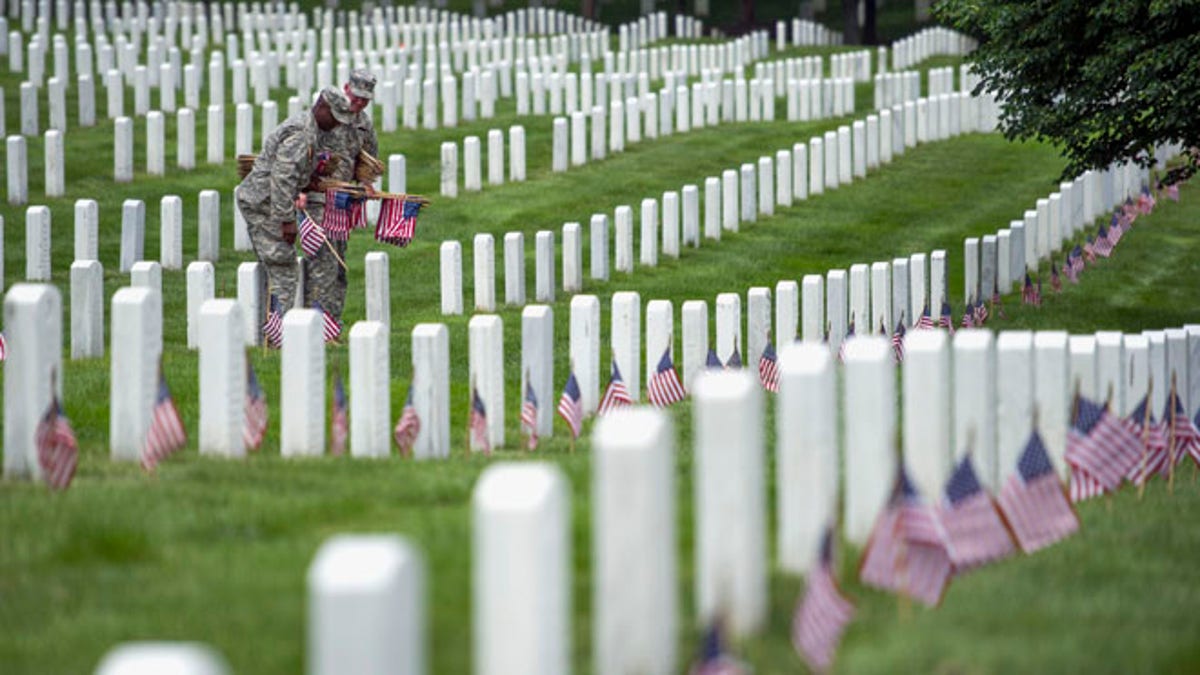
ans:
x=216 y=551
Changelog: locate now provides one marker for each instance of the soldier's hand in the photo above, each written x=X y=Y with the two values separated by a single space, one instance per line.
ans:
x=288 y=231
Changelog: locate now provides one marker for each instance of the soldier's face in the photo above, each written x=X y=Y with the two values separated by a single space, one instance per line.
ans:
x=324 y=116
x=357 y=103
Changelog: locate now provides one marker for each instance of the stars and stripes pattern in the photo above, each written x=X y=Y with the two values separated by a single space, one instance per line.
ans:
x=946 y=320
x=665 y=388
x=925 y=321
x=1083 y=485
x=1089 y=249
x=166 y=433
x=1180 y=430
x=906 y=552
x=407 y=427
x=1033 y=502
x=397 y=224
x=255 y=427
x=1100 y=445
x=1075 y=264
x=768 y=369
x=343 y=212
x=1154 y=457
x=735 y=359
x=57 y=449
x=1103 y=246
x=339 y=427
x=330 y=325
x=711 y=360
x=822 y=614
x=898 y=341
x=529 y=415
x=570 y=405
x=477 y=424
x=981 y=313
x=312 y=236
x=968 y=317
x=616 y=395
x=975 y=533
x=1146 y=201
x=713 y=658
x=1029 y=293
x=273 y=326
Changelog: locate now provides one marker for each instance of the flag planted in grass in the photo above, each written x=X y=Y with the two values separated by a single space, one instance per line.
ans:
x=898 y=340
x=570 y=405
x=339 y=427
x=768 y=369
x=946 y=320
x=974 y=531
x=1100 y=445
x=1180 y=430
x=166 y=433
x=477 y=423
x=57 y=449
x=255 y=428
x=665 y=387
x=1033 y=502
x=925 y=322
x=529 y=413
x=273 y=326
x=907 y=552
x=330 y=326
x=616 y=395
x=1154 y=457
x=407 y=427
x=822 y=614
x=711 y=360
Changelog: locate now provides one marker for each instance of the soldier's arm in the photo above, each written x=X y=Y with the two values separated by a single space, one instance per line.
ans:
x=369 y=141
x=289 y=175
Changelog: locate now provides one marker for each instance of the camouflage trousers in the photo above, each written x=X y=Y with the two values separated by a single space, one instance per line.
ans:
x=324 y=276
x=277 y=256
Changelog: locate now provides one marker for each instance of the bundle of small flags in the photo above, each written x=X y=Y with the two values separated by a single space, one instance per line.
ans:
x=397 y=223
x=343 y=212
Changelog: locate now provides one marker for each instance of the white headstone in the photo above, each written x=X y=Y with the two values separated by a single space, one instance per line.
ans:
x=514 y=268
x=516 y=153
x=836 y=297
x=635 y=596
x=730 y=502
x=123 y=150
x=572 y=258
x=210 y=225
x=585 y=348
x=370 y=390
x=1082 y=350
x=729 y=200
x=975 y=403
x=860 y=299
x=451 y=276
x=54 y=164
x=485 y=357
x=758 y=325
x=729 y=326
x=252 y=296
x=938 y=279
x=806 y=454
x=485 y=273
x=302 y=383
x=449 y=169
x=1110 y=372
x=133 y=233
x=713 y=187
x=379 y=295
x=649 y=233
x=33 y=329
x=178 y=658
x=521 y=523
x=598 y=233
x=544 y=285
x=870 y=390
x=87 y=309
x=881 y=299
x=37 y=243
x=17 y=163
x=1014 y=397
x=200 y=282
x=136 y=346
x=787 y=312
x=695 y=340
x=216 y=134
x=1051 y=393
x=367 y=607
x=431 y=389
x=222 y=367
x=626 y=339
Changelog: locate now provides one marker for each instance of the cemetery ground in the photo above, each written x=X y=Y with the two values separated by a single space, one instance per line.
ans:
x=216 y=550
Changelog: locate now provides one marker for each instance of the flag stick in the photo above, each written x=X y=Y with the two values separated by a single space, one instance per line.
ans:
x=1145 y=440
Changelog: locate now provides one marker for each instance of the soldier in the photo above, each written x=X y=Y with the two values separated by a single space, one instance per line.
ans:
x=269 y=196
x=324 y=276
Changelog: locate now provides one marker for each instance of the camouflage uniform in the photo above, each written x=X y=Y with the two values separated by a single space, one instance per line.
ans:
x=267 y=197
x=325 y=278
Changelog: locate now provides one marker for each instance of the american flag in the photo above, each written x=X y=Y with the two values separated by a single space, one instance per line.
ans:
x=898 y=340
x=166 y=433
x=968 y=317
x=1075 y=264
x=981 y=313
x=665 y=387
x=273 y=326
x=339 y=429
x=712 y=360
x=477 y=424
x=1029 y=294
x=998 y=305
x=1145 y=200
x=407 y=427
x=1084 y=486
x=822 y=614
x=311 y=235
x=1055 y=280
x=1089 y=250
x=617 y=394
x=3 y=347
x=529 y=414
x=1154 y=457
x=331 y=327
x=1033 y=502
x=1180 y=430
x=1103 y=246
x=256 y=411
x=343 y=212
x=907 y=549
x=1129 y=211
x=1173 y=192
x=768 y=369
x=713 y=658
x=1116 y=229
x=925 y=322
x=397 y=223
x=58 y=452
x=570 y=405
x=974 y=530
x=1100 y=445
x=946 y=320
x=735 y=359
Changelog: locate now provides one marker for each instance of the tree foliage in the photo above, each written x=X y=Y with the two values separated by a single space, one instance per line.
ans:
x=1105 y=80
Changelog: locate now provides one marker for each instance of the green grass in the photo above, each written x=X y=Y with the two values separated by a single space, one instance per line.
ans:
x=216 y=551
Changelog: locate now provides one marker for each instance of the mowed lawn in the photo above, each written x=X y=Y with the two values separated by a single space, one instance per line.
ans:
x=216 y=551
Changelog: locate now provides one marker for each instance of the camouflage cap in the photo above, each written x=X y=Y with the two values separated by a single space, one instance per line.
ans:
x=362 y=83
x=339 y=105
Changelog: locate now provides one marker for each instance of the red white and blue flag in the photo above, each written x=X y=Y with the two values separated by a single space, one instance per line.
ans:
x=1154 y=456
x=339 y=428
x=3 y=347
x=477 y=424
x=343 y=212
x=768 y=369
x=616 y=395
x=407 y=427
x=397 y=223
x=711 y=360
x=1100 y=445
x=946 y=320
x=330 y=326
x=898 y=341
x=1033 y=502
x=58 y=452
x=166 y=433
x=273 y=326
x=665 y=387
x=925 y=321
x=1180 y=430
x=822 y=614
x=974 y=530
x=570 y=405
x=312 y=236
x=255 y=428
x=529 y=415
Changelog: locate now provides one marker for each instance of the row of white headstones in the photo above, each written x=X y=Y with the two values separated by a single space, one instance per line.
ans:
x=367 y=594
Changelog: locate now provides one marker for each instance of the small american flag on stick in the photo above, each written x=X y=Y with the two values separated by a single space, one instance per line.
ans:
x=570 y=405
x=339 y=428
x=664 y=387
x=166 y=433
x=312 y=236
x=255 y=428
x=1100 y=445
x=822 y=614
x=529 y=415
x=330 y=326
x=58 y=452
x=617 y=394
x=1033 y=502
x=407 y=427
x=273 y=326
x=898 y=340
x=768 y=369
x=397 y=224
x=974 y=530
x=1154 y=457
x=343 y=212
x=925 y=322
x=477 y=423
